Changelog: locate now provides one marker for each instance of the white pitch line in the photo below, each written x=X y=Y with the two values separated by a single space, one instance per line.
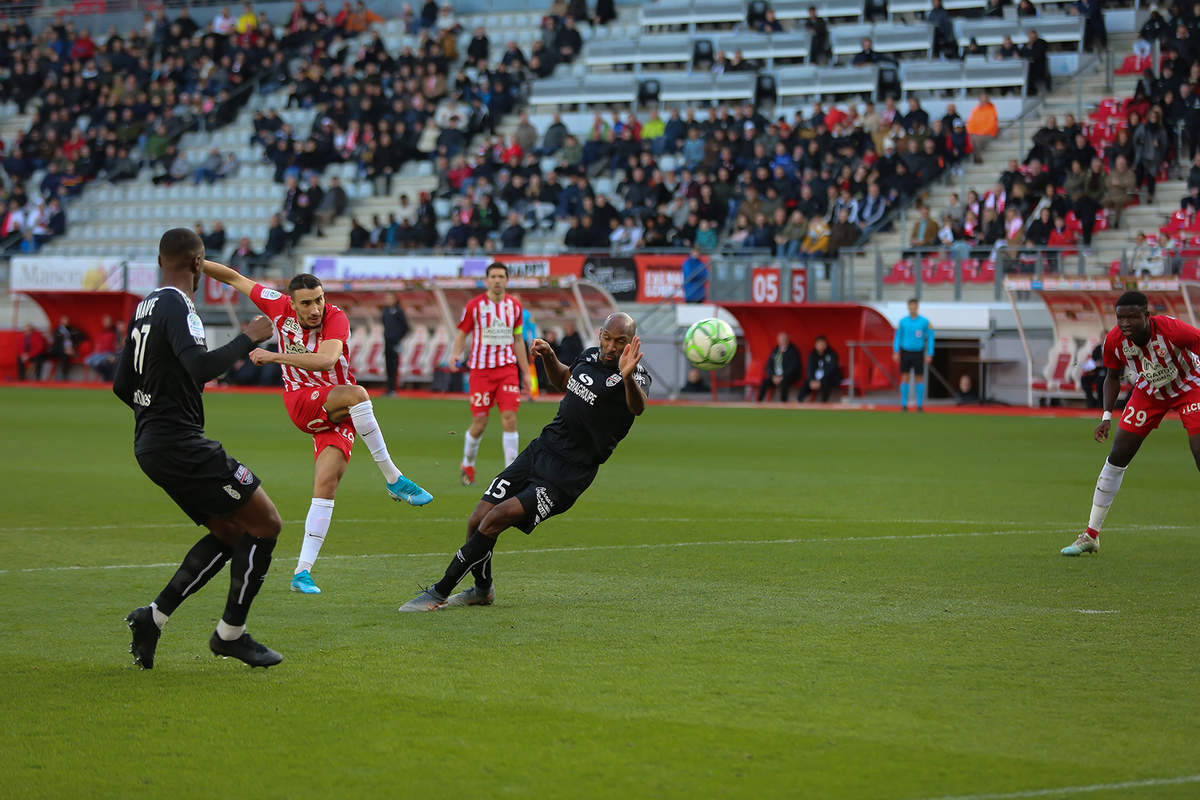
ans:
x=640 y=546
x=681 y=520
x=1066 y=790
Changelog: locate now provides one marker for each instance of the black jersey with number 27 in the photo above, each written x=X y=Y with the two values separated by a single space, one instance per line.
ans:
x=593 y=415
x=167 y=402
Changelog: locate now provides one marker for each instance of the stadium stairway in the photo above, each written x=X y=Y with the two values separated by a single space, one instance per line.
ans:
x=983 y=176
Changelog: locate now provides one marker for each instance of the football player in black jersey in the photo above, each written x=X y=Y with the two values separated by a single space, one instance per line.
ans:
x=161 y=373
x=605 y=389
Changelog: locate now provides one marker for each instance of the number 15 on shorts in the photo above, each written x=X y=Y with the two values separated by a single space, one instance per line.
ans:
x=498 y=489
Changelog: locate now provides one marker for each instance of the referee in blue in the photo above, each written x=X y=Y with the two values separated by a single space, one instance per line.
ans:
x=912 y=349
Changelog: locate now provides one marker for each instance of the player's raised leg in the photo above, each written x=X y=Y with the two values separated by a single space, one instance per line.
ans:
x=259 y=524
x=353 y=401
x=330 y=467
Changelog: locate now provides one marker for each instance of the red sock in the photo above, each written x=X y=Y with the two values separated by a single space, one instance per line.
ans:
x=1092 y=532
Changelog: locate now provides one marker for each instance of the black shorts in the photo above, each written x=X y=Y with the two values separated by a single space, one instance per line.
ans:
x=545 y=483
x=912 y=360
x=201 y=478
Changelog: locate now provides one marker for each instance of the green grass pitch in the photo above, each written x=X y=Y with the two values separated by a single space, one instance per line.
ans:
x=747 y=603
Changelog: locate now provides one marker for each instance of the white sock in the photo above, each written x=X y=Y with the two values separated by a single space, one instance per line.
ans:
x=1106 y=491
x=316 y=525
x=160 y=618
x=470 y=449
x=368 y=430
x=229 y=632
x=511 y=446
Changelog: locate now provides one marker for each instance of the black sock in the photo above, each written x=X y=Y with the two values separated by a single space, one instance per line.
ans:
x=251 y=560
x=204 y=560
x=483 y=572
x=476 y=552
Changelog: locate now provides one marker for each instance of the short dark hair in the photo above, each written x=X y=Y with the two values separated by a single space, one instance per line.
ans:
x=304 y=280
x=496 y=265
x=1133 y=299
x=914 y=300
x=178 y=245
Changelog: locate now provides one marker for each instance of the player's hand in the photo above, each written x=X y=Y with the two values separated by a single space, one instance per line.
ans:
x=895 y=358
x=1101 y=433
x=631 y=356
x=261 y=357
x=540 y=348
x=928 y=359
x=259 y=329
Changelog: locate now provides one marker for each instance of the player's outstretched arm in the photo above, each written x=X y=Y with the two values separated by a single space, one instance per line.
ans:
x=323 y=360
x=556 y=371
x=228 y=276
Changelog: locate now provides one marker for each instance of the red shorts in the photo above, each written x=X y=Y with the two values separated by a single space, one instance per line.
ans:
x=1143 y=413
x=498 y=386
x=306 y=407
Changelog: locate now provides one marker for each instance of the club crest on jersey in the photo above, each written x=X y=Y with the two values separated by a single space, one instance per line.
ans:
x=612 y=380
x=291 y=326
x=244 y=476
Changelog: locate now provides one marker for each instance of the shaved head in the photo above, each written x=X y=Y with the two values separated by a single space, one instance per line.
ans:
x=620 y=324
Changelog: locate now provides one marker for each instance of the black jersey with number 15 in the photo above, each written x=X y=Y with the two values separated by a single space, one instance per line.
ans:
x=593 y=415
x=167 y=402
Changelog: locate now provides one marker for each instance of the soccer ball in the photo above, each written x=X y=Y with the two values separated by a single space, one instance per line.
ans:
x=710 y=344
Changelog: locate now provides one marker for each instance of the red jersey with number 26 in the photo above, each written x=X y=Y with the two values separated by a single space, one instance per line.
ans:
x=294 y=338
x=492 y=327
x=1168 y=366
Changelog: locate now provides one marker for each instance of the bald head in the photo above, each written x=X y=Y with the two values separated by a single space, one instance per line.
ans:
x=620 y=324
x=615 y=335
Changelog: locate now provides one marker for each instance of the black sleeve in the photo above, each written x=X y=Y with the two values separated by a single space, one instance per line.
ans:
x=641 y=376
x=185 y=332
x=204 y=365
x=402 y=321
x=813 y=358
x=123 y=380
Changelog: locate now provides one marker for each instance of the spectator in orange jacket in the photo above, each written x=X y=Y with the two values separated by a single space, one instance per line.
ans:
x=983 y=124
x=358 y=19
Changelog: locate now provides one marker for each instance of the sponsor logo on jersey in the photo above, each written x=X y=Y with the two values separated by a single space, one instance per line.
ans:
x=585 y=379
x=613 y=380
x=270 y=294
x=290 y=346
x=232 y=492
x=1131 y=350
x=244 y=476
x=1190 y=408
x=140 y=398
x=315 y=395
x=545 y=506
x=585 y=394
x=1158 y=375
x=291 y=326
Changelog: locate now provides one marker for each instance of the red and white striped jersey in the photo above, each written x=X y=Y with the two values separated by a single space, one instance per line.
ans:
x=1169 y=364
x=294 y=338
x=492 y=327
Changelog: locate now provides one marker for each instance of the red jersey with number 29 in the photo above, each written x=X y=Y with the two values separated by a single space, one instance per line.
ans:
x=492 y=327
x=1168 y=366
x=294 y=338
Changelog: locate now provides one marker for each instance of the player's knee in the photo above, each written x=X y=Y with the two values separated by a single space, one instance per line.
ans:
x=358 y=395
